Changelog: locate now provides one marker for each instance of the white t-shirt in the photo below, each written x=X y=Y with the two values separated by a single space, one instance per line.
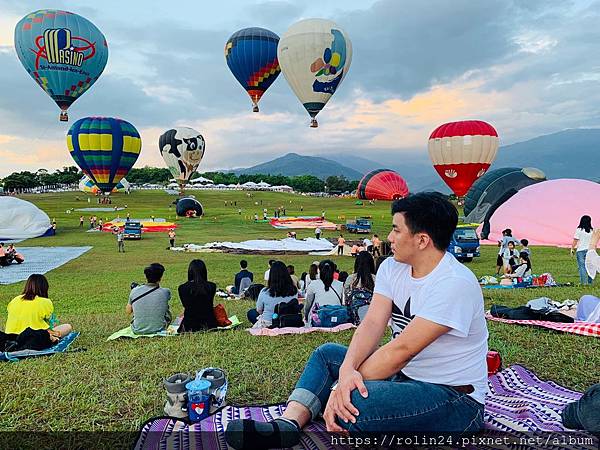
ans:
x=451 y=296
x=584 y=239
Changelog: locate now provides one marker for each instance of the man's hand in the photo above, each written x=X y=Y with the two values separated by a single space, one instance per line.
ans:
x=339 y=403
x=595 y=238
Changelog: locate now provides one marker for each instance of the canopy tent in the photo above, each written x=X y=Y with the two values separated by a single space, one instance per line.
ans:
x=202 y=180
x=547 y=213
x=21 y=219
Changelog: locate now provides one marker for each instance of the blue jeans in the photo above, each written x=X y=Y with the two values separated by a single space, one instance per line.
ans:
x=584 y=278
x=398 y=404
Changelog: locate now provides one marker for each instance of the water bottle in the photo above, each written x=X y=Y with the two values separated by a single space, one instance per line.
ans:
x=198 y=399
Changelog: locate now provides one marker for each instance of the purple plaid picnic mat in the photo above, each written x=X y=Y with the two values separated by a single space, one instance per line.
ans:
x=519 y=405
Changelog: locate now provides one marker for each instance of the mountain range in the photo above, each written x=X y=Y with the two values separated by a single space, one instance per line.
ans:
x=565 y=154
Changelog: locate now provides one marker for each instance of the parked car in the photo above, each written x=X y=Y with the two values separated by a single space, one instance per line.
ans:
x=465 y=243
x=360 y=225
x=132 y=230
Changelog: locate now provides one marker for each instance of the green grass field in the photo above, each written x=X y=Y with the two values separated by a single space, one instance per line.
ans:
x=118 y=385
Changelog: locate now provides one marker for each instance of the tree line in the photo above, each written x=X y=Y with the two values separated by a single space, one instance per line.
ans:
x=153 y=175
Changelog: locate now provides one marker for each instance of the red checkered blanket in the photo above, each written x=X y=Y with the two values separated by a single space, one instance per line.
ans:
x=581 y=328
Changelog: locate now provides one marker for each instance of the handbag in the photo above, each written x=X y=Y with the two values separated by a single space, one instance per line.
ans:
x=329 y=316
x=221 y=316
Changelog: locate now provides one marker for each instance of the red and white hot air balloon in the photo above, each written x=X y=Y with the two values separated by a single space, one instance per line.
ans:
x=463 y=151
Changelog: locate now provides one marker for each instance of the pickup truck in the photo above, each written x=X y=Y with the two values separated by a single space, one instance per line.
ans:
x=360 y=225
x=465 y=243
x=132 y=230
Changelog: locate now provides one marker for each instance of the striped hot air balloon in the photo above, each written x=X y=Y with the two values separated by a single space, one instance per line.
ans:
x=382 y=184
x=463 y=151
x=88 y=186
x=104 y=148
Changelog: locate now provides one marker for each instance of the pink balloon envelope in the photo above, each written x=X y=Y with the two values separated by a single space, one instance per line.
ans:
x=547 y=213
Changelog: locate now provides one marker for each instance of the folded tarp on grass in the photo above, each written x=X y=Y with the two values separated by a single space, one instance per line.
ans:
x=581 y=328
x=519 y=405
x=39 y=260
x=60 y=347
x=297 y=330
x=170 y=331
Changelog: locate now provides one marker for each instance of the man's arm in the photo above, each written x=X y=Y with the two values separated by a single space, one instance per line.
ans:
x=369 y=333
x=393 y=356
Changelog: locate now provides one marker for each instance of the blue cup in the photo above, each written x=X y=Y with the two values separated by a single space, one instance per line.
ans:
x=198 y=399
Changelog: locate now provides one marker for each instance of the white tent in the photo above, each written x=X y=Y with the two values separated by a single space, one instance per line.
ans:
x=262 y=184
x=250 y=185
x=202 y=180
x=21 y=219
x=172 y=185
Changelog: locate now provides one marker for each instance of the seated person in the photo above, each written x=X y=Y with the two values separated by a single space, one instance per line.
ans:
x=354 y=250
x=363 y=276
x=3 y=258
x=431 y=376
x=33 y=309
x=13 y=255
x=243 y=273
x=149 y=303
x=292 y=270
x=324 y=290
x=197 y=296
x=280 y=289
x=509 y=257
x=521 y=270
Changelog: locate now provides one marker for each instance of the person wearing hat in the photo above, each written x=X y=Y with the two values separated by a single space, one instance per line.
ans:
x=149 y=303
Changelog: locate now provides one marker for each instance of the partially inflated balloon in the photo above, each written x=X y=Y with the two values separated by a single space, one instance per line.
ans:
x=382 y=184
x=314 y=55
x=63 y=52
x=462 y=151
x=104 y=148
x=182 y=149
x=251 y=55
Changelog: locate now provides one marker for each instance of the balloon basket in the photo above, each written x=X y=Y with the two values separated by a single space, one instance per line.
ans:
x=64 y=117
x=255 y=108
x=314 y=123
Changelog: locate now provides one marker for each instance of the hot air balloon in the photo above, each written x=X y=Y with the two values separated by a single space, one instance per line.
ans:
x=88 y=186
x=251 y=55
x=63 y=52
x=182 y=149
x=461 y=152
x=382 y=184
x=314 y=55
x=104 y=148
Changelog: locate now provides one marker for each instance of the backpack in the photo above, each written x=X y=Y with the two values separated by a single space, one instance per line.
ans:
x=287 y=315
x=253 y=291
x=358 y=304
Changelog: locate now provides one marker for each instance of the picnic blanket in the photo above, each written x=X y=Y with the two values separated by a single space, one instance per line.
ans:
x=61 y=347
x=581 y=328
x=297 y=330
x=170 y=331
x=39 y=260
x=518 y=405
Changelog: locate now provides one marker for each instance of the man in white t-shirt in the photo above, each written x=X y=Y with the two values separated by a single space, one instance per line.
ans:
x=430 y=377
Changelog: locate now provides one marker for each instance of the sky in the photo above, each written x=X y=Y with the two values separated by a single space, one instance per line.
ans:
x=527 y=67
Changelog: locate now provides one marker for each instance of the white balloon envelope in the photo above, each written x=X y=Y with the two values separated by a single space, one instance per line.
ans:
x=314 y=56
